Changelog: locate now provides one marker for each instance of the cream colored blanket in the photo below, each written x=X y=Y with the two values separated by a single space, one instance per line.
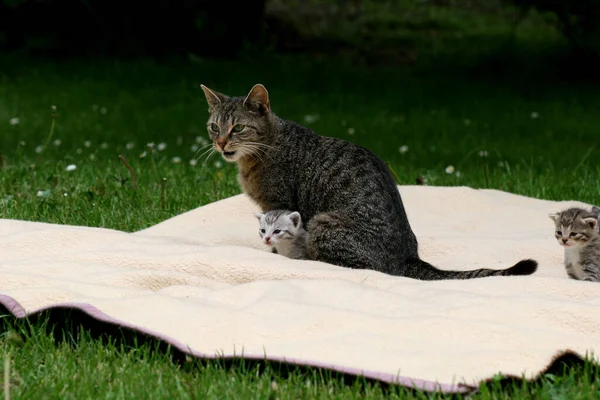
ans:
x=204 y=282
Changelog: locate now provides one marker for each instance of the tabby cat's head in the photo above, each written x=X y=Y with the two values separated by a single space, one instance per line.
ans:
x=575 y=226
x=239 y=126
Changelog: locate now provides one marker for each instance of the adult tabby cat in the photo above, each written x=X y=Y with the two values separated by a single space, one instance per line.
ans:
x=346 y=195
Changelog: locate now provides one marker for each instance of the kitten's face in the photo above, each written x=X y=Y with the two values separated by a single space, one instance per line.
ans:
x=238 y=126
x=277 y=226
x=574 y=227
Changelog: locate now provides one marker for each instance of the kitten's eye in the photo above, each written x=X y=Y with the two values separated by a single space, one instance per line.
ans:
x=276 y=231
x=214 y=127
x=573 y=234
x=262 y=231
x=559 y=233
x=237 y=128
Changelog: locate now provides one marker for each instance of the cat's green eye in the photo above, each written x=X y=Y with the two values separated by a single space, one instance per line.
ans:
x=237 y=128
x=214 y=127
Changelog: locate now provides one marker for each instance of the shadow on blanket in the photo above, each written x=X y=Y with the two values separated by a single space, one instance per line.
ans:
x=69 y=324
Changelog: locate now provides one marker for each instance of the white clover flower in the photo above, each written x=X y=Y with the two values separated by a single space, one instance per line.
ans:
x=130 y=145
x=71 y=167
x=310 y=118
x=87 y=144
x=43 y=193
x=143 y=154
x=14 y=121
x=150 y=145
x=103 y=110
x=79 y=151
x=176 y=160
x=458 y=174
x=403 y=149
x=199 y=139
x=193 y=162
x=92 y=157
x=534 y=115
x=467 y=122
x=65 y=194
x=39 y=149
x=218 y=164
x=161 y=146
x=351 y=131
x=483 y=153
x=22 y=143
x=450 y=169
x=104 y=145
x=194 y=147
x=57 y=142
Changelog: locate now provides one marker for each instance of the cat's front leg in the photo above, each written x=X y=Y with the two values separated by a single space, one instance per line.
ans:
x=591 y=272
x=571 y=272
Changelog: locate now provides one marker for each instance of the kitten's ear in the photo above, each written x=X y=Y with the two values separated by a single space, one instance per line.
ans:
x=296 y=219
x=553 y=216
x=258 y=97
x=213 y=98
x=595 y=210
x=259 y=215
x=591 y=222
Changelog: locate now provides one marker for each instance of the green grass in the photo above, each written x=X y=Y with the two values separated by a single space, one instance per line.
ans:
x=539 y=134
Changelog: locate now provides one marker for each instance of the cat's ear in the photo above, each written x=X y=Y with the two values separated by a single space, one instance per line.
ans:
x=259 y=215
x=591 y=222
x=213 y=98
x=553 y=216
x=595 y=210
x=258 y=98
x=295 y=218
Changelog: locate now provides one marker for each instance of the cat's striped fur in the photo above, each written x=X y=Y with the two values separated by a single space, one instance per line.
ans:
x=576 y=229
x=345 y=193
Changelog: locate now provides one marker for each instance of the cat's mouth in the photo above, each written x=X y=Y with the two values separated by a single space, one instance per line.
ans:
x=228 y=154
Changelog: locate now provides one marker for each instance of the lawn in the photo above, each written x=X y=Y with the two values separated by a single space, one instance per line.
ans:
x=69 y=131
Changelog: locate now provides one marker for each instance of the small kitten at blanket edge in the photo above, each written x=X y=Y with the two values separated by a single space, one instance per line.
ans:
x=283 y=229
x=577 y=231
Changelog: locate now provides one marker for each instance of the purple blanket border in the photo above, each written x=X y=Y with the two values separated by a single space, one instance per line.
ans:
x=19 y=312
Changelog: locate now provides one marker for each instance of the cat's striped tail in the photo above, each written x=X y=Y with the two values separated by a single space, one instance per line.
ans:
x=418 y=269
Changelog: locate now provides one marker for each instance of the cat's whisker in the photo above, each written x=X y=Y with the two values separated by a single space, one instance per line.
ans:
x=207 y=155
x=202 y=149
x=256 y=151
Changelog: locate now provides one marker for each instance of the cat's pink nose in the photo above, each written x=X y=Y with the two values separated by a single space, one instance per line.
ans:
x=267 y=239
x=222 y=143
x=565 y=240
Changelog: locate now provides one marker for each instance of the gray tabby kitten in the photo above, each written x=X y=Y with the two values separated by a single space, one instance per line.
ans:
x=346 y=195
x=577 y=232
x=283 y=229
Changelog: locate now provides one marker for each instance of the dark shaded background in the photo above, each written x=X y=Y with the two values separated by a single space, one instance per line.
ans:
x=226 y=28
